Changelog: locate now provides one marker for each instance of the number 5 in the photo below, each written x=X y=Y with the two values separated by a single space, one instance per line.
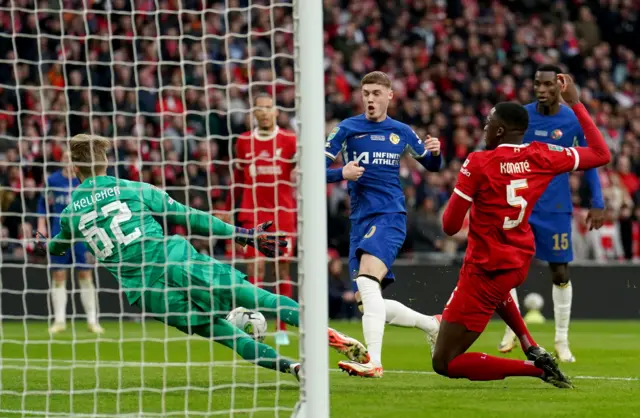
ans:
x=516 y=201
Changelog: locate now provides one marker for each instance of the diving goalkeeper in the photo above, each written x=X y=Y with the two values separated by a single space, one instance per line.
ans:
x=165 y=276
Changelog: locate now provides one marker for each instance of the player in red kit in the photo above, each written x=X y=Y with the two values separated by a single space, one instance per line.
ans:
x=265 y=160
x=501 y=186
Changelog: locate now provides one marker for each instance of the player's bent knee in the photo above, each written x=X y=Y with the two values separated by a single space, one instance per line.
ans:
x=440 y=365
x=559 y=274
x=371 y=265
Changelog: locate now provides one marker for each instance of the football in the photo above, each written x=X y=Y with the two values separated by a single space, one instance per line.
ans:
x=251 y=322
x=533 y=302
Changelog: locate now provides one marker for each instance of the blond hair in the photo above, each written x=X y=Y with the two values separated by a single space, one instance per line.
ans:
x=376 y=77
x=89 y=154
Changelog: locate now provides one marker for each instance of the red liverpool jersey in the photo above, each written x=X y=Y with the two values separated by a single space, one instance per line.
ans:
x=503 y=186
x=265 y=167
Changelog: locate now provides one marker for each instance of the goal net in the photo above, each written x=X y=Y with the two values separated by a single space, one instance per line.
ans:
x=173 y=85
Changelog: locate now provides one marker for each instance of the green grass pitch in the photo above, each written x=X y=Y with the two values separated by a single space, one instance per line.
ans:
x=118 y=375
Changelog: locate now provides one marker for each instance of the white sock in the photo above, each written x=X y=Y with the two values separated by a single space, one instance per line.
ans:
x=562 y=297
x=59 y=302
x=88 y=298
x=373 y=317
x=403 y=316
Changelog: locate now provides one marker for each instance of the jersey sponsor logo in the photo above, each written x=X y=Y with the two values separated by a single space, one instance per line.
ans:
x=541 y=133
x=556 y=134
x=377 y=158
x=557 y=148
x=333 y=133
x=394 y=138
x=264 y=170
x=515 y=168
x=377 y=137
x=371 y=232
x=466 y=172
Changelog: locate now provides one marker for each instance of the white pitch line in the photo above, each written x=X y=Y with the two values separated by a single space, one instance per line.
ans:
x=230 y=364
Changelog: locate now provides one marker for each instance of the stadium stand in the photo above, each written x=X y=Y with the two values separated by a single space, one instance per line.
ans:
x=450 y=61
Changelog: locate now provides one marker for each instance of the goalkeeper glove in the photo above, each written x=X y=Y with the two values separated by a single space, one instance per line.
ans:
x=256 y=237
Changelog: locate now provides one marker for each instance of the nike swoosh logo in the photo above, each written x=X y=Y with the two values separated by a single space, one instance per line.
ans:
x=361 y=136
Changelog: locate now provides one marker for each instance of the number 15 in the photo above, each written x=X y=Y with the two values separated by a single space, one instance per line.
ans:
x=560 y=241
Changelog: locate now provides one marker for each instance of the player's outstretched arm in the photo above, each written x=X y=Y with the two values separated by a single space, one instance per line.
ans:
x=593 y=181
x=597 y=152
x=454 y=214
x=159 y=202
x=202 y=223
x=469 y=177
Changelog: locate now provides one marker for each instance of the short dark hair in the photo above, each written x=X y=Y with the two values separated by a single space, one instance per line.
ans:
x=262 y=95
x=513 y=115
x=549 y=68
x=376 y=77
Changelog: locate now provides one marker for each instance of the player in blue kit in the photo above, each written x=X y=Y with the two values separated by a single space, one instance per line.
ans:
x=56 y=197
x=371 y=145
x=554 y=123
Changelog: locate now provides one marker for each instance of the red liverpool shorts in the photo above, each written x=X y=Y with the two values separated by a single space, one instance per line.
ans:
x=478 y=293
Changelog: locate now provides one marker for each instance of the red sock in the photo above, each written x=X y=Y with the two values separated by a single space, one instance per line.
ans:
x=284 y=289
x=508 y=311
x=255 y=280
x=480 y=366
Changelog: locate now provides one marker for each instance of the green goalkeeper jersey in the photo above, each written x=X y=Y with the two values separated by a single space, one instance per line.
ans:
x=116 y=219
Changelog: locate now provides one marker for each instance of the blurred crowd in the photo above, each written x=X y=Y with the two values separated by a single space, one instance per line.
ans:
x=173 y=84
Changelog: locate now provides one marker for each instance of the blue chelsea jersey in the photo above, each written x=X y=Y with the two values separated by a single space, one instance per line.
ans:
x=376 y=146
x=561 y=129
x=56 y=197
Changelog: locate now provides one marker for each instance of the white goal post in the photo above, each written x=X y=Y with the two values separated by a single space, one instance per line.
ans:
x=173 y=83
x=310 y=79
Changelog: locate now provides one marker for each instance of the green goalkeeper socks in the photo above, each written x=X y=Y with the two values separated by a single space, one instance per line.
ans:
x=270 y=304
x=262 y=354
x=259 y=353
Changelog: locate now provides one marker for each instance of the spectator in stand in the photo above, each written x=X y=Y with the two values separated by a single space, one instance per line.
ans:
x=342 y=299
x=450 y=61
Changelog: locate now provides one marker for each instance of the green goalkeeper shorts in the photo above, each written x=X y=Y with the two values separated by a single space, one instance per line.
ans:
x=196 y=289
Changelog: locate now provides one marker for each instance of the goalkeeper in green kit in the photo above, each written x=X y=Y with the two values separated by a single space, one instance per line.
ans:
x=166 y=276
